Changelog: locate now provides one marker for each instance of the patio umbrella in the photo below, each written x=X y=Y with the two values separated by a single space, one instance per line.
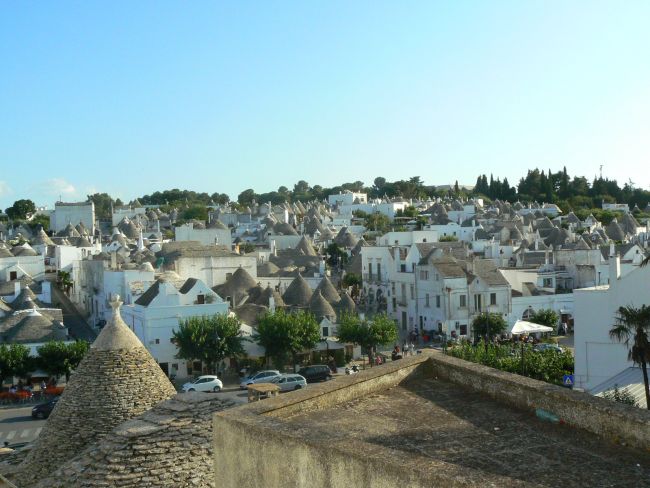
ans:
x=524 y=327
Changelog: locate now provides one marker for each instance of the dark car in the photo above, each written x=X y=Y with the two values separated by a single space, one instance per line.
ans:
x=44 y=410
x=317 y=372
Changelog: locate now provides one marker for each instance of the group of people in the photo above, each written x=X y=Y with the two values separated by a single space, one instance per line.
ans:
x=28 y=387
x=407 y=349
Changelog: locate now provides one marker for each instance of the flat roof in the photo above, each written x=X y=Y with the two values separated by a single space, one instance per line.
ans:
x=439 y=427
x=434 y=420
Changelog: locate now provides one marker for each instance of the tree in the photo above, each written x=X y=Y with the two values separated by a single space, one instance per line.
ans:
x=622 y=395
x=489 y=325
x=545 y=316
x=284 y=335
x=209 y=339
x=631 y=327
x=58 y=358
x=377 y=222
x=367 y=333
x=103 y=205
x=21 y=209
x=195 y=212
x=336 y=255
x=14 y=361
x=247 y=196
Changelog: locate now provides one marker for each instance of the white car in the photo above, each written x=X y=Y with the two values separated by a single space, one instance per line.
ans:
x=259 y=377
x=289 y=382
x=204 y=383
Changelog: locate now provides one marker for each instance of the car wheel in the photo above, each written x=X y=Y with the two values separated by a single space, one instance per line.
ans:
x=298 y=387
x=216 y=389
x=191 y=389
x=40 y=415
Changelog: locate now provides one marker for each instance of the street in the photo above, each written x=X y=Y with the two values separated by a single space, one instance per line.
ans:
x=17 y=425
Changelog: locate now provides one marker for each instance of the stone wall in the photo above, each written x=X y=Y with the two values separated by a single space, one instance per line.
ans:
x=258 y=445
x=610 y=420
x=253 y=447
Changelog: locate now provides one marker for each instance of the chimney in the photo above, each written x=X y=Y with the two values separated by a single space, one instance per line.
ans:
x=614 y=269
x=612 y=249
x=546 y=256
x=16 y=289
x=114 y=260
x=271 y=304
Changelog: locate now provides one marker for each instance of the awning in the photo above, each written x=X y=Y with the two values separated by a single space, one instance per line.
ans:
x=524 y=327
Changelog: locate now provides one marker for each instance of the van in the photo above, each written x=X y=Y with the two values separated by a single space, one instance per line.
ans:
x=316 y=372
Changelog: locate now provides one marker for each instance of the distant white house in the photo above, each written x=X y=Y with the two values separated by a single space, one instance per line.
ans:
x=156 y=314
x=73 y=213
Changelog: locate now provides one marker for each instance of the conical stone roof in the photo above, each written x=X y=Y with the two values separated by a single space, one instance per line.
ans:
x=117 y=380
x=305 y=246
x=346 y=305
x=321 y=307
x=328 y=291
x=298 y=293
x=237 y=286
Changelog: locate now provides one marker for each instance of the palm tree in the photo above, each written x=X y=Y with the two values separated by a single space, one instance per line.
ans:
x=632 y=326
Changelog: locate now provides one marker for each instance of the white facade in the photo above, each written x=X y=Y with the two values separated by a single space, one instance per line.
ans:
x=597 y=357
x=210 y=236
x=347 y=198
x=16 y=267
x=155 y=323
x=407 y=238
x=73 y=213
x=130 y=213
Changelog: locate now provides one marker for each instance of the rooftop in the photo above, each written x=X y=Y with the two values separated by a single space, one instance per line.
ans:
x=435 y=421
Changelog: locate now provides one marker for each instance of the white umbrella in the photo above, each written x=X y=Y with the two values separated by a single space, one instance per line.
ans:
x=523 y=327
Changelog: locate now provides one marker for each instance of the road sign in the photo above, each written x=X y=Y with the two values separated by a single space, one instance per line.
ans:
x=567 y=380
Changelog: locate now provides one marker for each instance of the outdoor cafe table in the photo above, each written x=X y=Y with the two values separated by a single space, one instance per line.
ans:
x=262 y=390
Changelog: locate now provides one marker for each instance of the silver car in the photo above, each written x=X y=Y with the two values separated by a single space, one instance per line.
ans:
x=289 y=382
x=259 y=377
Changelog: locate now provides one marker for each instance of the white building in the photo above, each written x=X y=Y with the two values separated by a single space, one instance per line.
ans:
x=347 y=197
x=73 y=213
x=156 y=314
x=211 y=264
x=212 y=235
x=597 y=356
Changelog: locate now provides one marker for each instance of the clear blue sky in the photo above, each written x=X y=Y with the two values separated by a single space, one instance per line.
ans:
x=133 y=97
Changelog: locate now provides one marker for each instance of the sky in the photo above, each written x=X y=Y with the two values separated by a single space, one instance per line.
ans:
x=132 y=97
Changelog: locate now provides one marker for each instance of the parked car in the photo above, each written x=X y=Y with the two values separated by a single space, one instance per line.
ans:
x=316 y=372
x=264 y=376
x=289 y=382
x=547 y=347
x=44 y=410
x=204 y=383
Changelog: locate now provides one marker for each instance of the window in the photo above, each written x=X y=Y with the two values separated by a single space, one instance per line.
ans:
x=493 y=298
x=402 y=268
x=379 y=271
x=370 y=270
x=437 y=301
x=326 y=331
x=403 y=320
x=412 y=290
x=403 y=291
x=463 y=329
x=200 y=299
x=477 y=303
x=463 y=301
x=548 y=283
x=157 y=341
x=426 y=301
